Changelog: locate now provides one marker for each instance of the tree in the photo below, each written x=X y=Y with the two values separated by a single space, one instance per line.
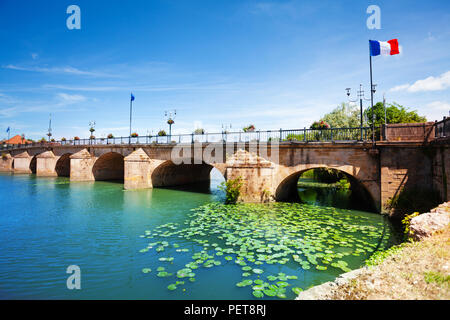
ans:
x=343 y=116
x=395 y=113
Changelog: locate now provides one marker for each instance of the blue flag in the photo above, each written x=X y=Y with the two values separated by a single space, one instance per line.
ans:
x=7 y=130
x=132 y=97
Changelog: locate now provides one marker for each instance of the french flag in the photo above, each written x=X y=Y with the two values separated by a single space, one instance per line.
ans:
x=385 y=48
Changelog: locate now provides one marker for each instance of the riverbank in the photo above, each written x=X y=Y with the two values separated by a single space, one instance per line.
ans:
x=411 y=271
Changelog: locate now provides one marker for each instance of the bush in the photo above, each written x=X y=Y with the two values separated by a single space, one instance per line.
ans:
x=92 y=137
x=232 y=189
x=76 y=138
x=199 y=131
x=134 y=135
x=294 y=137
x=406 y=223
x=162 y=133
x=320 y=125
x=110 y=136
x=63 y=139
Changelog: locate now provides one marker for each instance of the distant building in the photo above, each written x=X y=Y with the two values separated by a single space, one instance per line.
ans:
x=16 y=140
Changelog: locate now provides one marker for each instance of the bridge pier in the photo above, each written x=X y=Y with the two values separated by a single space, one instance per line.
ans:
x=137 y=170
x=81 y=164
x=6 y=163
x=46 y=164
x=22 y=163
x=257 y=174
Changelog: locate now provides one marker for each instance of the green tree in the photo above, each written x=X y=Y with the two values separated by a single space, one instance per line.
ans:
x=395 y=113
x=343 y=116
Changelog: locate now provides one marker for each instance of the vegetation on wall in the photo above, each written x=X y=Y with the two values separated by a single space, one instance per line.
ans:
x=232 y=188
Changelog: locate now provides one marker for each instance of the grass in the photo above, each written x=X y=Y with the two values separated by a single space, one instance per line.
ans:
x=413 y=270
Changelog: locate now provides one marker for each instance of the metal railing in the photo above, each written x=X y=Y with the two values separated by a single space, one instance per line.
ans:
x=442 y=128
x=292 y=135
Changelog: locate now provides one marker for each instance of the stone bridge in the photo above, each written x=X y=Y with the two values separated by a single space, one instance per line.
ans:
x=270 y=171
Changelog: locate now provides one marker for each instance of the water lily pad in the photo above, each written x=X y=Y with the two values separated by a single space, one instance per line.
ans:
x=171 y=287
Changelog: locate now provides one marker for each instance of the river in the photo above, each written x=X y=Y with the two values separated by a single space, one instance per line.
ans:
x=134 y=244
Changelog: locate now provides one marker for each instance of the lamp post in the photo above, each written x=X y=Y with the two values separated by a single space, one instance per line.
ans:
x=170 y=115
x=360 y=97
x=49 y=134
x=91 y=130
x=225 y=131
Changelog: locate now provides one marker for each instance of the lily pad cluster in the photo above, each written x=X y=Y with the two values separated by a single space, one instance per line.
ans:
x=254 y=236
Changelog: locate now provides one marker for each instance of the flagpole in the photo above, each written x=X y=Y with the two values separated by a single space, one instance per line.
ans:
x=131 y=110
x=371 y=99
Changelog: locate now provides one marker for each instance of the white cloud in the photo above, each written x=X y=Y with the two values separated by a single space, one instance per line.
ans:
x=65 y=70
x=71 y=98
x=431 y=83
x=436 y=110
x=439 y=105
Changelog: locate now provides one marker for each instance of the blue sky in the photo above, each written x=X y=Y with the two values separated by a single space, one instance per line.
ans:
x=275 y=64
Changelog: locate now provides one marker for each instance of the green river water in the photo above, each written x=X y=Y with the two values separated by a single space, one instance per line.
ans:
x=171 y=243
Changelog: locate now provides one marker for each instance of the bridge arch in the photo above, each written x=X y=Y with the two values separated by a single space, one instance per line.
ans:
x=109 y=166
x=62 y=166
x=169 y=174
x=287 y=189
x=33 y=164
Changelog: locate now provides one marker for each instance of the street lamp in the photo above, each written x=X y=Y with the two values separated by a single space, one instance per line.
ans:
x=91 y=130
x=170 y=115
x=360 y=97
x=49 y=134
x=225 y=131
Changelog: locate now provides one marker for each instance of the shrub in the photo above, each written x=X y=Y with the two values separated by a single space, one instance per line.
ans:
x=134 y=135
x=52 y=140
x=4 y=156
x=110 y=136
x=92 y=137
x=162 y=133
x=43 y=140
x=63 y=139
x=294 y=137
x=232 y=190
x=320 y=125
x=406 y=222
x=199 y=131
x=76 y=138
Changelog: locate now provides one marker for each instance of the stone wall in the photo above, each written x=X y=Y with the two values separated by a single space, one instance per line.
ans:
x=6 y=162
x=441 y=170
x=418 y=132
x=404 y=167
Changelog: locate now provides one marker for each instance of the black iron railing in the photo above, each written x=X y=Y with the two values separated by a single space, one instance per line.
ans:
x=293 y=135
x=442 y=128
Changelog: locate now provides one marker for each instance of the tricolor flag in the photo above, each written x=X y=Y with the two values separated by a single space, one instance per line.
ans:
x=385 y=48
